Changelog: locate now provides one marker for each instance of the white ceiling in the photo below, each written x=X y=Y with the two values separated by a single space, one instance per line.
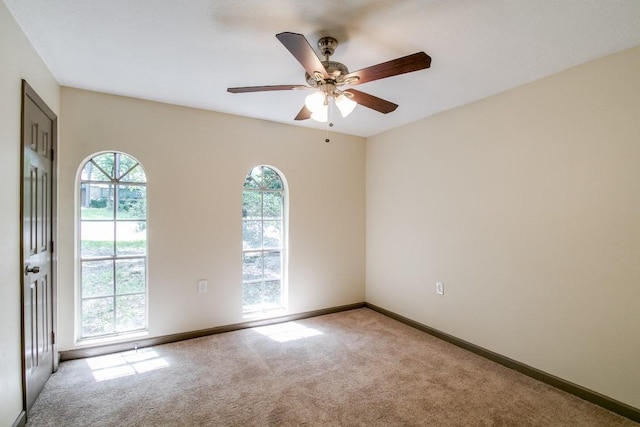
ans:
x=189 y=52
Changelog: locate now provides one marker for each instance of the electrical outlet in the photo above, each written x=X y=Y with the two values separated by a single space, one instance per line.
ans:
x=440 y=288
x=202 y=286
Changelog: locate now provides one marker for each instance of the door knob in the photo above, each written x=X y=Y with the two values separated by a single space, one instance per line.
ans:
x=31 y=269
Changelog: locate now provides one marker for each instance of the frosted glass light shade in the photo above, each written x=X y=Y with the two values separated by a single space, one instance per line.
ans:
x=321 y=114
x=345 y=105
x=315 y=101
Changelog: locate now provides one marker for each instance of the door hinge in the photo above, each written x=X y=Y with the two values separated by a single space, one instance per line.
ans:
x=53 y=337
x=53 y=154
x=51 y=246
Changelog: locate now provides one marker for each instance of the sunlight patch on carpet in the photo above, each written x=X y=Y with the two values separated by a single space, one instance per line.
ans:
x=124 y=364
x=289 y=331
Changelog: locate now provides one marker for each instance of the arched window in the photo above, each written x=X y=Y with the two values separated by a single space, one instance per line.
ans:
x=264 y=241
x=113 y=246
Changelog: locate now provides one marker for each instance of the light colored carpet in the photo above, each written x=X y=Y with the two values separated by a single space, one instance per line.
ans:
x=355 y=368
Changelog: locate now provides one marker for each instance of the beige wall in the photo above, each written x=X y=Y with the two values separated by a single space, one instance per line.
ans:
x=527 y=206
x=18 y=60
x=196 y=162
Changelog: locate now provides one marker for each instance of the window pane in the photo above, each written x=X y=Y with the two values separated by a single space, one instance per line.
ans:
x=131 y=237
x=272 y=265
x=95 y=201
x=106 y=163
x=135 y=175
x=272 y=294
x=250 y=183
x=130 y=312
x=130 y=276
x=271 y=180
x=91 y=172
x=125 y=163
x=272 y=207
x=132 y=202
x=251 y=296
x=97 y=278
x=256 y=175
x=251 y=204
x=273 y=234
x=252 y=266
x=97 y=316
x=251 y=235
x=96 y=238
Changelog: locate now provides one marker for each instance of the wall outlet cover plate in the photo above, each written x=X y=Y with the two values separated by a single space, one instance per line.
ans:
x=202 y=286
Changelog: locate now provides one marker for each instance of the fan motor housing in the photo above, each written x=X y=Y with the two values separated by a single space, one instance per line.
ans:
x=335 y=70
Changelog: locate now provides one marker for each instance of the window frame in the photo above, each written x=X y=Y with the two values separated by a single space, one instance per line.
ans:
x=115 y=184
x=283 y=249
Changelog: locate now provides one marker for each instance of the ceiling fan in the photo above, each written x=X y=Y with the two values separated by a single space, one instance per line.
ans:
x=328 y=77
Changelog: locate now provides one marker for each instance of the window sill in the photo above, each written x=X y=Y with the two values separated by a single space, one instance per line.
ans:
x=267 y=314
x=114 y=339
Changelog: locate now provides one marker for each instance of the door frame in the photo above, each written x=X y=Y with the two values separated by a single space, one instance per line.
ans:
x=29 y=93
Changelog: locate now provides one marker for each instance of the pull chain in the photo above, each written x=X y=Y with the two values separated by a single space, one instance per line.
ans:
x=329 y=122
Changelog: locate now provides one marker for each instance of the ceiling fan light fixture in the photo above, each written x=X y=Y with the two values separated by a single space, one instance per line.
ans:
x=321 y=115
x=345 y=104
x=315 y=101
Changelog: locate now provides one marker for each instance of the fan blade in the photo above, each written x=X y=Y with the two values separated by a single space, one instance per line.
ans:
x=265 y=88
x=406 y=64
x=372 y=102
x=300 y=48
x=304 y=114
